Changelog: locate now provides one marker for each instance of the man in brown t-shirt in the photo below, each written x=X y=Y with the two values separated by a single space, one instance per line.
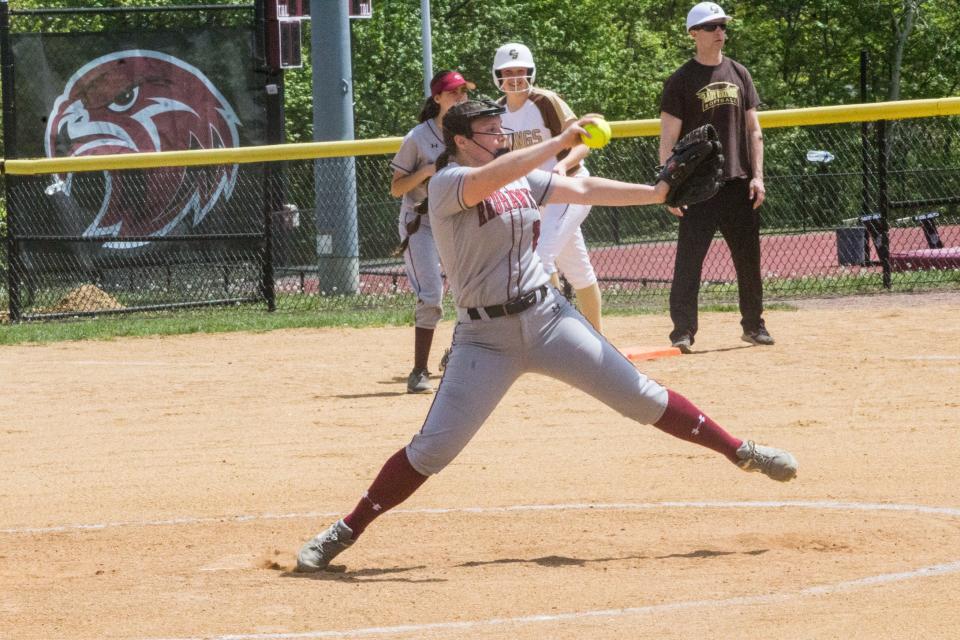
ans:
x=713 y=89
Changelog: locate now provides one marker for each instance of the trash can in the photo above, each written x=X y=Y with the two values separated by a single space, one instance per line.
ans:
x=852 y=246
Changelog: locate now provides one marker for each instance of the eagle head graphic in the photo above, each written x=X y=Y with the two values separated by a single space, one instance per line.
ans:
x=139 y=101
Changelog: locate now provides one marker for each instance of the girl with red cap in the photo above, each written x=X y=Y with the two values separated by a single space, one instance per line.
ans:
x=412 y=167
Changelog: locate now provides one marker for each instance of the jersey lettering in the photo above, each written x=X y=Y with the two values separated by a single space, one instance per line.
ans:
x=521 y=139
x=516 y=201
x=503 y=201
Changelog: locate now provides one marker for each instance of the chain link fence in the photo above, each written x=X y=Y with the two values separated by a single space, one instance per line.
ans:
x=322 y=234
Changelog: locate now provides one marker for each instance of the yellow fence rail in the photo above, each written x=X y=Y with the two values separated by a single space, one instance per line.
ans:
x=312 y=150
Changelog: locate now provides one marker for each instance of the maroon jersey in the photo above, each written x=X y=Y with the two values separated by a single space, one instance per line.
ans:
x=719 y=95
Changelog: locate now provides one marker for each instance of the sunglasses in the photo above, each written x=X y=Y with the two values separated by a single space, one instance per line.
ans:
x=710 y=28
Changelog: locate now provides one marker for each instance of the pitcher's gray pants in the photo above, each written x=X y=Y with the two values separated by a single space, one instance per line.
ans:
x=550 y=338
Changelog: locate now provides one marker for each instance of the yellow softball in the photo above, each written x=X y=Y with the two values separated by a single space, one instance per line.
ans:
x=600 y=134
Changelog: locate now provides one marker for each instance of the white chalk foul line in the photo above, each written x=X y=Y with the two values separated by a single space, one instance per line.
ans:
x=616 y=506
x=769 y=598
x=922 y=572
x=186 y=521
x=760 y=599
x=126 y=363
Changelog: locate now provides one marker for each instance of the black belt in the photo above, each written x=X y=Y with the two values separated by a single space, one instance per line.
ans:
x=516 y=305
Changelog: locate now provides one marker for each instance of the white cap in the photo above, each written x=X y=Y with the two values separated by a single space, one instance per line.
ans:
x=706 y=12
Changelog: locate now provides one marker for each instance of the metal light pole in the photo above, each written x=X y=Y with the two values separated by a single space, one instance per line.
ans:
x=426 y=37
x=335 y=179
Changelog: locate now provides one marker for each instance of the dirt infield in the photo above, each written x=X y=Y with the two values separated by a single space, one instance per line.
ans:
x=158 y=488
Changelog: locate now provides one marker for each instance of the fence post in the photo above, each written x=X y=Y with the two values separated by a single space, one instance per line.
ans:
x=9 y=146
x=882 y=241
x=335 y=179
x=272 y=173
x=272 y=182
x=865 y=204
x=272 y=202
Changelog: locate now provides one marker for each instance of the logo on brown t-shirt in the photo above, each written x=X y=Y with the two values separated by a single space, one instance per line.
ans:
x=718 y=93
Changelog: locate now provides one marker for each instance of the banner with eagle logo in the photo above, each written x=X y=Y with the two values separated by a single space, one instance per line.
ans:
x=92 y=94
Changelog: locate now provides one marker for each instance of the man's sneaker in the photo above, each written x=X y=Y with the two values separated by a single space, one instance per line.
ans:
x=760 y=336
x=775 y=463
x=419 y=381
x=324 y=547
x=684 y=343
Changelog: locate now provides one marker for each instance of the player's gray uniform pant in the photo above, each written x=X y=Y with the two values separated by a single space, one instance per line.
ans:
x=422 y=262
x=550 y=338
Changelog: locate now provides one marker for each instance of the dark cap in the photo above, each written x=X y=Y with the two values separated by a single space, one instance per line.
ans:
x=459 y=117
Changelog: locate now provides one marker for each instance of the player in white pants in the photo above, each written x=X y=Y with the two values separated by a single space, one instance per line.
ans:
x=533 y=115
x=412 y=167
x=485 y=209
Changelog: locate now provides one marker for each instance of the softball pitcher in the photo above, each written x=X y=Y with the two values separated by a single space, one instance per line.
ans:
x=532 y=115
x=485 y=213
x=412 y=167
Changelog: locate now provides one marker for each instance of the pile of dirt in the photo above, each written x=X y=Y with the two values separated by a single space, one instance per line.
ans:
x=86 y=297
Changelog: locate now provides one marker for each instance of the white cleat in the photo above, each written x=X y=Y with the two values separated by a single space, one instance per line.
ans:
x=774 y=463
x=324 y=547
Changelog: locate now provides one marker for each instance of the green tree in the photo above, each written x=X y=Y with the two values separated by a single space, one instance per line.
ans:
x=612 y=56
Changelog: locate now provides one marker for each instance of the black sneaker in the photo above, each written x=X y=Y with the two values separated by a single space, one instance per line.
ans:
x=760 y=336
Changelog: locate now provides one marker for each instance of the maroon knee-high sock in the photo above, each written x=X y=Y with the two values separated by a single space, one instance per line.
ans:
x=395 y=483
x=685 y=421
x=422 y=341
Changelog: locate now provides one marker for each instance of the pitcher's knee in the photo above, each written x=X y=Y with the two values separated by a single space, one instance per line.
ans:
x=647 y=404
x=427 y=462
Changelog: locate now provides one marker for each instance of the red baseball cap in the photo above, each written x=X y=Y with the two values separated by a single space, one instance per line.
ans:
x=448 y=82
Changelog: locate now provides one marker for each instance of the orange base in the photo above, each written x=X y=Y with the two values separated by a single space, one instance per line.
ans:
x=649 y=353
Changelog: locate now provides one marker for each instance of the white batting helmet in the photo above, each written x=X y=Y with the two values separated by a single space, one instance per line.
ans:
x=513 y=54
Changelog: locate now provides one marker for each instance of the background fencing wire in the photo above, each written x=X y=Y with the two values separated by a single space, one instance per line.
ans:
x=813 y=243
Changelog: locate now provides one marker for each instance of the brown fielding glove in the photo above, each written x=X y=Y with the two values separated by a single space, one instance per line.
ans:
x=412 y=227
x=694 y=171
